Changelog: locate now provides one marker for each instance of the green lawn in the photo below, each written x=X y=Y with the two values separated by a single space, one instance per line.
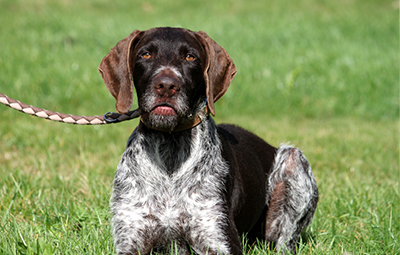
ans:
x=322 y=75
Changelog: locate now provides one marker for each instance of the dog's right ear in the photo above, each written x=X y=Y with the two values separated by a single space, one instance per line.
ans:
x=116 y=71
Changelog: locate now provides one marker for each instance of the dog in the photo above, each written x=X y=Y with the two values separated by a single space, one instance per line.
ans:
x=185 y=185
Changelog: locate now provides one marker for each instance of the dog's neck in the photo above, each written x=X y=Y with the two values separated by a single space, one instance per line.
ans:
x=170 y=150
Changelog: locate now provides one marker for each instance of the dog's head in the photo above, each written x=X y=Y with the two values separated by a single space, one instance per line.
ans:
x=174 y=71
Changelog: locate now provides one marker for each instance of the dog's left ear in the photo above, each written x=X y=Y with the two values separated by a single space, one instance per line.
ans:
x=116 y=72
x=218 y=72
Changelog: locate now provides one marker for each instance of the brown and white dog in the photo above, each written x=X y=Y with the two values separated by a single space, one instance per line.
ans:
x=184 y=184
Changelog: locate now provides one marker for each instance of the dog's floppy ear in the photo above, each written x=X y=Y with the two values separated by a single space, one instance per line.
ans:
x=116 y=71
x=218 y=72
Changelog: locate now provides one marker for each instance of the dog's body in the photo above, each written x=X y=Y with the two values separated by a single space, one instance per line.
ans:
x=184 y=183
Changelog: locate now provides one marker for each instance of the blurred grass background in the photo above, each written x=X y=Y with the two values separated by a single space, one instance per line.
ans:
x=323 y=75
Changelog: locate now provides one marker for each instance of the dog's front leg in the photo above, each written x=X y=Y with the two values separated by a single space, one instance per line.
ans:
x=226 y=242
x=211 y=231
x=128 y=238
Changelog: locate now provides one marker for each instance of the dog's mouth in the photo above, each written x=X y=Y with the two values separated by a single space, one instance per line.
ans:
x=164 y=110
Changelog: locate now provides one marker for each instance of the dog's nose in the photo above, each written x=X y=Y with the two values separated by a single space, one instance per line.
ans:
x=166 y=85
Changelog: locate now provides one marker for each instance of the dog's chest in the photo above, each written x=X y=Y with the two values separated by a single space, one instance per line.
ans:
x=170 y=202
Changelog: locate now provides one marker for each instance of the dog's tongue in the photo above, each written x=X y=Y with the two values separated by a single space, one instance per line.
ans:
x=164 y=110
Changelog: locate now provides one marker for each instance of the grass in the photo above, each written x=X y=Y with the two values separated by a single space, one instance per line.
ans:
x=320 y=74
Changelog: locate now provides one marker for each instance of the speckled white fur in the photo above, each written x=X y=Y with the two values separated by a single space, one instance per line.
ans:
x=292 y=168
x=152 y=203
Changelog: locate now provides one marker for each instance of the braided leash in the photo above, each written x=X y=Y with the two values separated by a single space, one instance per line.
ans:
x=108 y=118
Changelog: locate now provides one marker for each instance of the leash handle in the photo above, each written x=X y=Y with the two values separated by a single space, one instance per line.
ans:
x=108 y=118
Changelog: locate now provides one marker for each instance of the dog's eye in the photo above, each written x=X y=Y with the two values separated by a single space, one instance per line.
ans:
x=189 y=57
x=146 y=55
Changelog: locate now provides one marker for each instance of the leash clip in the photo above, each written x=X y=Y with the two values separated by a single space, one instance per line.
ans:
x=108 y=117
